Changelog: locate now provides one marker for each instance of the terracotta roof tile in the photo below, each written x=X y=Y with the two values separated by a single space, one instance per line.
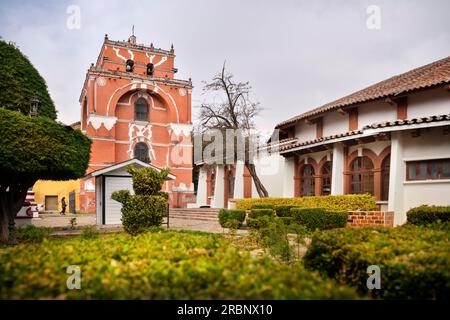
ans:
x=432 y=74
x=396 y=123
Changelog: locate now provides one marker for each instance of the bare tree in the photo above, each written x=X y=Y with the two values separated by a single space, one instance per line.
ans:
x=234 y=111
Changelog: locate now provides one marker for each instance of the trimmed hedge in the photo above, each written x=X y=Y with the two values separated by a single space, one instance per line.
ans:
x=142 y=212
x=414 y=261
x=319 y=218
x=425 y=215
x=262 y=206
x=349 y=202
x=231 y=218
x=258 y=223
x=160 y=265
x=284 y=210
x=258 y=213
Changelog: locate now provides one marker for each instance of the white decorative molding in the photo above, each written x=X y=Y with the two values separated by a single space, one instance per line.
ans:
x=101 y=81
x=160 y=62
x=182 y=187
x=182 y=92
x=96 y=121
x=119 y=55
x=131 y=54
x=181 y=128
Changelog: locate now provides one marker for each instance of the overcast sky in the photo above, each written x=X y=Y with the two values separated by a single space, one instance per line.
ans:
x=296 y=54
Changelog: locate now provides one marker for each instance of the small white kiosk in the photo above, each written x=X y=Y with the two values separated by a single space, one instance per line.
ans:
x=110 y=179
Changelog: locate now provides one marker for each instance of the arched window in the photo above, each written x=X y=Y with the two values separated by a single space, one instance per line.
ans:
x=307 y=180
x=361 y=176
x=326 y=178
x=141 y=110
x=141 y=152
x=385 y=168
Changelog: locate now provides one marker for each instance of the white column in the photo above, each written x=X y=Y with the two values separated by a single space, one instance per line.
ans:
x=201 y=188
x=337 y=173
x=288 y=177
x=396 y=179
x=219 y=188
x=239 y=181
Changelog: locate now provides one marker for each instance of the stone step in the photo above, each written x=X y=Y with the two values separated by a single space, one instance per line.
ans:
x=193 y=215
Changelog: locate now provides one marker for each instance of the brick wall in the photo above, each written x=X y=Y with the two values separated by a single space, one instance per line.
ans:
x=371 y=219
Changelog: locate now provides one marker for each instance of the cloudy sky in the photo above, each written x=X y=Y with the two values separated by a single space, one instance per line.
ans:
x=296 y=54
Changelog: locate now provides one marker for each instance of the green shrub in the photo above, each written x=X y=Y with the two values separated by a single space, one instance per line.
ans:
x=262 y=206
x=257 y=213
x=425 y=215
x=32 y=234
x=414 y=261
x=147 y=181
x=142 y=212
x=231 y=218
x=287 y=220
x=274 y=236
x=318 y=218
x=348 y=202
x=258 y=223
x=284 y=210
x=89 y=232
x=160 y=265
x=148 y=205
x=121 y=196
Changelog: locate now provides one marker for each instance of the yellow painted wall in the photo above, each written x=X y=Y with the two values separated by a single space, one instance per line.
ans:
x=57 y=188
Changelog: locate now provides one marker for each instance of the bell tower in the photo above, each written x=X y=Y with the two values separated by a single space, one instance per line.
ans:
x=132 y=106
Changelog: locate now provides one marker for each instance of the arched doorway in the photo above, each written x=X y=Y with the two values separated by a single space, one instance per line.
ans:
x=385 y=170
x=307 y=183
x=326 y=178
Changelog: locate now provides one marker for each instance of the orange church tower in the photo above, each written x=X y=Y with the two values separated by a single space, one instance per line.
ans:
x=133 y=107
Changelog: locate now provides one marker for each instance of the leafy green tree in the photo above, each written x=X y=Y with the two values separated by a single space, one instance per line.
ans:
x=32 y=149
x=20 y=81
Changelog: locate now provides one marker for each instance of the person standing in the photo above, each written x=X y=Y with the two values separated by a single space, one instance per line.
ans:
x=64 y=205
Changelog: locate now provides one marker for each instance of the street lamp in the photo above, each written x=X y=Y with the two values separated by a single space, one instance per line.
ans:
x=34 y=105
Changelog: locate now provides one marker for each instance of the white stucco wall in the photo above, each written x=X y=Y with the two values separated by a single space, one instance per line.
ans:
x=427 y=103
x=270 y=170
x=375 y=112
x=334 y=123
x=304 y=131
x=377 y=147
x=432 y=144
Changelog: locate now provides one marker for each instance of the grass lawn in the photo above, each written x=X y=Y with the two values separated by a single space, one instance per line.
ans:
x=156 y=265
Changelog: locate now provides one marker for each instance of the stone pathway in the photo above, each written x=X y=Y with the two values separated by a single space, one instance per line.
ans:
x=61 y=224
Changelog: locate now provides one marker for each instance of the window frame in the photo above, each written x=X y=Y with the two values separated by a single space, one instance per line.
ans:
x=366 y=175
x=146 y=159
x=429 y=174
x=136 y=112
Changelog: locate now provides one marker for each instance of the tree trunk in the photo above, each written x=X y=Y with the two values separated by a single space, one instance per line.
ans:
x=262 y=192
x=11 y=202
x=4 y=233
